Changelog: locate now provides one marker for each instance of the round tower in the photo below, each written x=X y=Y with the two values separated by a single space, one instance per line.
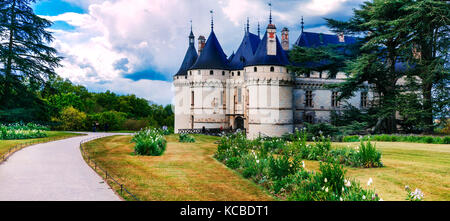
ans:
x=208 y=78
x=182 y=88
x=270 y=89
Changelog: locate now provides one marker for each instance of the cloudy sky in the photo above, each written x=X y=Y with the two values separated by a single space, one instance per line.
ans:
x=135 y=46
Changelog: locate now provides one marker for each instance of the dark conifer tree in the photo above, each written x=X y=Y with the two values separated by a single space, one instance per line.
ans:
x=26 y=60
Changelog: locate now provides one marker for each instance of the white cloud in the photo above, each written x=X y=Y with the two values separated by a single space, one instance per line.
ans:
x=153 y=35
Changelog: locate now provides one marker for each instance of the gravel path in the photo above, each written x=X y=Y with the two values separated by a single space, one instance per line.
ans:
x=53 y=171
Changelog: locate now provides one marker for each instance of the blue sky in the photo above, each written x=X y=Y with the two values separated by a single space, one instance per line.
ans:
x=135 y=46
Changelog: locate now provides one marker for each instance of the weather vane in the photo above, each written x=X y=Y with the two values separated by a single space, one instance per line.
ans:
x=212 y=19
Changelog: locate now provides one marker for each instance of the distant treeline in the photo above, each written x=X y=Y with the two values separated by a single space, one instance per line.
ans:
x=66 y=106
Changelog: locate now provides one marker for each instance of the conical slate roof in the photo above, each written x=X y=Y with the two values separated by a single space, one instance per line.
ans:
x=190 y=57
x=261 y=57
x=189 y=60
x=212 y=56
x=245 y=52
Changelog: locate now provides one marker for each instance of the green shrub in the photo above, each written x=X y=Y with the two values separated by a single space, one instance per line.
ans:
x=71 y=119
x=369 y=156
x=149 y=142
x=113 y=119
x=282 y=166
x=186 y=138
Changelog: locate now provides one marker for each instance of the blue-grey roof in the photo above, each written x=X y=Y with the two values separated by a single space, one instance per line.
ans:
x=189 y=60
x=310 y=39
x=212 y=56
x=261 y=57
x=245 y=52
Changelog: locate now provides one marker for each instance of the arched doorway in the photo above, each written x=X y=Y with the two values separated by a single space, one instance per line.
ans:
x=239 y=123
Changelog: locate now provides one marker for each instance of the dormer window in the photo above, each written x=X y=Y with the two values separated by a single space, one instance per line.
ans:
x=272 y=69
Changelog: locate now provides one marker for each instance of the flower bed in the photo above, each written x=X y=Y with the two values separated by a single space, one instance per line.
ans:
x=22 y=131
x=149 y=142
x=278 y=166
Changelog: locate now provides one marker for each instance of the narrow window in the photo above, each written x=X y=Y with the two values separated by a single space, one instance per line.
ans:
x=364 y=99
x=239 y=95
x=211 y=72
x=308 y=99
x=272 y=69
x=223 y=73
x=190 y=72
x=192 y=98
x=309 y=118
x=334 y=101
x=232 y=73
x=239 y=73
x=255 y=69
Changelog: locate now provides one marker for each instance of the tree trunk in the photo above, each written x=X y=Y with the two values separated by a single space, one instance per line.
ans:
x=8 y=68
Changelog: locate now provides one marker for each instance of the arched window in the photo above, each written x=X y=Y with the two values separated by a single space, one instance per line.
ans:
x=223 y=73
x=239 y=73
x=255 y=69
x=211 y=72
x=232 y=73
x=190 y=72
x=272 y=69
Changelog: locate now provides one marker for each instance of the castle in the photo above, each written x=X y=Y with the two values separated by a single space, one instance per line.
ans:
x=252 y=89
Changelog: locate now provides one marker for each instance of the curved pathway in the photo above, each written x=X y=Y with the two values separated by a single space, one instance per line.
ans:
x=53 y=171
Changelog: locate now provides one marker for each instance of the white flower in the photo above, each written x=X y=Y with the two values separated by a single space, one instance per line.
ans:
x=348 y=183
x=369 y=182
x=303 y=164
x=340 y=198
x=257 y=161
x=326 y=189
x=364 y=197
x=325 y=180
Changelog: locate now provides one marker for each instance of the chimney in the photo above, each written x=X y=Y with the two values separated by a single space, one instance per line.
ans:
x=285 y=39
x=341 y=37
x=201 y=44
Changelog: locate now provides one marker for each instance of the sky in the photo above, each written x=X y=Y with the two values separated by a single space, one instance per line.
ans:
x=136 y=46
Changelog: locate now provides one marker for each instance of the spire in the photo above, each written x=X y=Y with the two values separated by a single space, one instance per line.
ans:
x=191 y=36
x=212 y=20
x=302 y=24
x=270 y=15
x=248 y=25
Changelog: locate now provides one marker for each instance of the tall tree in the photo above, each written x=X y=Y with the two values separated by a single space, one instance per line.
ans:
x=428 y=25
x=26 y=60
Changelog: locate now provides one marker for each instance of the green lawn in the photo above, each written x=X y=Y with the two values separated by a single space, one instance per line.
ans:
x=185 y=172
x=5 y=145
x=418 y=165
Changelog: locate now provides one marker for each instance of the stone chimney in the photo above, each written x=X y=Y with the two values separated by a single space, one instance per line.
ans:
x=341 y=37
x=201 y=44
x=285 y=38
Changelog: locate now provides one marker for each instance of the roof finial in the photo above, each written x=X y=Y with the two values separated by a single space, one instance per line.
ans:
x=191 y=24
x=302 y=24
x=212 y=20
x=270 y=15
x=258 y=29
x=248 y=25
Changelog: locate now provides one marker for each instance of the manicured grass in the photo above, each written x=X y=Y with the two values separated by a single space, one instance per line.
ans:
x=423 y=166
x=185 y=172
x=5 y=145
